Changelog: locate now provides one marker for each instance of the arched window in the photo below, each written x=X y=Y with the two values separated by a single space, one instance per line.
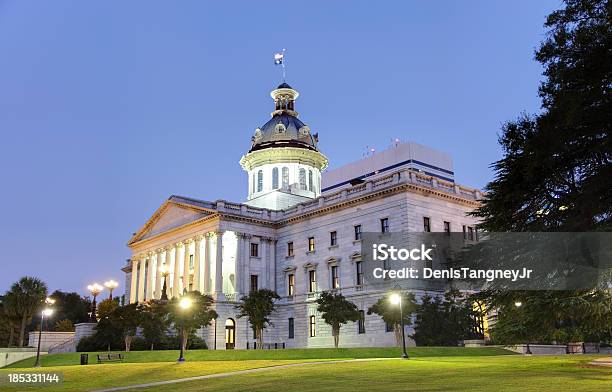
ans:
x=310 y=181
x=253 y=184
x=275 y=178
x=260 y=181
x=303 y=179
x=285 y=177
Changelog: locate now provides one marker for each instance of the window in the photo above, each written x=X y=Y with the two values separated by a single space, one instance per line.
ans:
x=291 y=285
x=302 y=179
x=335 y=278
x=253 y=283
x=312 y=325
x=285 y=177
x=260 y=181
x=447 y=229
x=311 y=244
x=290 y=249
x=254 y=332
x=358 y=233
x=312 y=279
x=464 y=232
x=275 y=178
x=470 y=233
x=310 y=181
x=388 y=327
x=361 y=322
x=254 y=250
x=384 y=225
x=426 y=224
x=333 y=238
x=359 y=267
x=253 y=183
x=291 y=328
x=191 y=262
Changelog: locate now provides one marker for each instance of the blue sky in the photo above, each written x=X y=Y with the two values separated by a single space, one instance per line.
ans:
x=107 y=109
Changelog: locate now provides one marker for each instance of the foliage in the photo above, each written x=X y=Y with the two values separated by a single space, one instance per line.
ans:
x=391 y=315
x=64 y=325
x=9 y=320
x=446 y=321
x=106 y=308
x=154 y=321
x=70 y=306
x=125 y=320
x=26 y=296
x=336 y=310
x=198 y=315
x=257 y=307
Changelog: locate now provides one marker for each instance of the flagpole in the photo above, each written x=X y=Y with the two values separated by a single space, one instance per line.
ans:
x=283 y=65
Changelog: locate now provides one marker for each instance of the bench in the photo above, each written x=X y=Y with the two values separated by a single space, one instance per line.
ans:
x=109 y=358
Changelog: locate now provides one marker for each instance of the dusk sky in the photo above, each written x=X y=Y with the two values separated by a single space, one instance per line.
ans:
x=108 y=108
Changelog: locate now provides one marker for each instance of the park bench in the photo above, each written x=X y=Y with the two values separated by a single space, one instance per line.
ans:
x=110 y=358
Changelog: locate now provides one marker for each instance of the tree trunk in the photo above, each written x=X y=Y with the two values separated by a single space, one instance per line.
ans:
x=398 y=334
x=259 y=335
x=11 y=334
x=336 y=333
x=184 y=337
x=22 y=330
x=151 y=346
x=128 y=343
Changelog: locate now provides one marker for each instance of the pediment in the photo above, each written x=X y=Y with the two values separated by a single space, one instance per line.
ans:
x=169 y=216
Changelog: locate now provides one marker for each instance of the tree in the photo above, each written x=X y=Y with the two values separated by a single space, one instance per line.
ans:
x=198 y=315
x=107 y=331
x=28 y=295
x=556 y=172
x=336 y=310
x=70 y=306
x=10 y=317
x=391 y=314
x=64 y=325
x=126 y=319
x=154 y=321
x=257 y=307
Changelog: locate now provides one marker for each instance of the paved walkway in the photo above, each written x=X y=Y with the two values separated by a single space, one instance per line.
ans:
x=236 y=373
x=606 y=361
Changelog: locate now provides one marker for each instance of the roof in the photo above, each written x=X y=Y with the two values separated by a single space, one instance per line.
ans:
x=284 y=130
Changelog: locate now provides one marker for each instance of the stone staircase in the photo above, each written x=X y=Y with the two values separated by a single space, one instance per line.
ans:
x=66 y=346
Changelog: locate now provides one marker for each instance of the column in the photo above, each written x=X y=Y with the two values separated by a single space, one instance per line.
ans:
x=197 y=274
x=207 y=254
x=219 y=266
x=238 y=278
x=186 y=269
x=272 y=280
x=150 y=276
x=246 y=251
x=141 y=279
x=168 y=263
x=159 y=279
x=263 y=280
x=134 y=282
x=176 y=289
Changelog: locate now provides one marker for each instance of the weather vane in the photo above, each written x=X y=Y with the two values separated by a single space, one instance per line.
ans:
x=279 y=59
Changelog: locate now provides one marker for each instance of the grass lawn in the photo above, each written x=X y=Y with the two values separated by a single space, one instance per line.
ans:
x=289 y=354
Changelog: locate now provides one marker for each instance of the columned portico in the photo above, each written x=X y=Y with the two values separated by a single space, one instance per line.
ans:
x=141 y=279
x=134 y=283
x=219 y=267
x=186 y=266
x=207 y=257
x=159 y=281
x=176 y=290
x=150 y=276
x=197 y=270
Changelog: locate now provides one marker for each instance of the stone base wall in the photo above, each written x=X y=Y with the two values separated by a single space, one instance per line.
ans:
x=48 y=339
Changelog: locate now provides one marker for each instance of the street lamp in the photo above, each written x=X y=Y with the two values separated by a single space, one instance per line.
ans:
x=164 y=271
x=518 y=304
x=110 y=285
x=396 y=299
x=94 y=289
x=185 y=303
x=45 y=312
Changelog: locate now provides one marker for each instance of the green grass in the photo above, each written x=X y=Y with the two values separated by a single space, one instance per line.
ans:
x=289 y=354
x=502 y=373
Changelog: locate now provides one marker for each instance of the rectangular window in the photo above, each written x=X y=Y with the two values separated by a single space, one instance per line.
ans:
x=384 y=225
x=291 y=285
x=426 y=224
x=289 y=249
x=253 y=283
x=312 y=280
x=470 y=233
x=388 y=327
x=357 y=232
x=335 y=277
x=254 y=250
x=311 y=244
x=447 y=228
x=291 y=328
x=361 y=322
x=359 y=266
x=254 y=333
x=333 y=238
x=312 y=326
x=191 y=262
x=464 y=232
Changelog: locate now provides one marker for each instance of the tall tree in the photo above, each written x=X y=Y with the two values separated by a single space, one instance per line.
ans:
x=391 y=315
x=199 y=314
x=154 y=321
x=556 y=172
x=70 y=306
x=336 y=310
x=10 y=317
x=29 y=294
x=126 y=320
x=257 y=307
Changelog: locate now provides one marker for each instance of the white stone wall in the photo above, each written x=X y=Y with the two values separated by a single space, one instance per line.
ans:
x=48 y=339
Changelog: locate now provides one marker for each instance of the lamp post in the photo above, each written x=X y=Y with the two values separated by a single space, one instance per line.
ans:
x=45 y=312
x=110 y=285
x=164 y=271
x=518 y=304
x=94 y=289
x=184 y=304
x=396 y=299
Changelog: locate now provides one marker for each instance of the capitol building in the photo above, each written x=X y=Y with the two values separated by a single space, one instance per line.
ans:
x=298 y=232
